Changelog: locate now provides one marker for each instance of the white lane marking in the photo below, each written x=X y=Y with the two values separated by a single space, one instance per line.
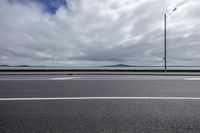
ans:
x=99 y=98
x=192 y=79
x=59 y=78
x=64 y=78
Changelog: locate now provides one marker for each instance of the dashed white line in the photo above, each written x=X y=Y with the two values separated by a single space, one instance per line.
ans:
x=99 y=98
x=192 y=79
x=33 y=79
x=64 y=78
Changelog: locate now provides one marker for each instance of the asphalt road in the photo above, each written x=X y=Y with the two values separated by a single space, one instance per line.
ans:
x=99 y=115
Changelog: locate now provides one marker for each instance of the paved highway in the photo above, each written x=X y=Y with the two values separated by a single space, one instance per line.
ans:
x=99 y=103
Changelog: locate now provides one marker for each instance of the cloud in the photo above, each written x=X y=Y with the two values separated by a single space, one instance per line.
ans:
x=183 y=2
x=98 y=32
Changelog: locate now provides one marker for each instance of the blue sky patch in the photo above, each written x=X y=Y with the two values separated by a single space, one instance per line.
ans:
x=51 y=6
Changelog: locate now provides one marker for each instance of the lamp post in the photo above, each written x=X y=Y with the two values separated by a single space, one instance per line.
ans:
x=165 y=38
x=165 y=42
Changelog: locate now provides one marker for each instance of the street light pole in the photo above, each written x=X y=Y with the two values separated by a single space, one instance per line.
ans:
x=165 y=38
x=165 y=42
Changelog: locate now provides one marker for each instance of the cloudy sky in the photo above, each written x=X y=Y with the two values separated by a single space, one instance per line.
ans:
x=98 y=32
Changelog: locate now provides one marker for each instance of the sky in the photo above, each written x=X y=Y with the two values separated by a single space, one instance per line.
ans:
x=99 y=32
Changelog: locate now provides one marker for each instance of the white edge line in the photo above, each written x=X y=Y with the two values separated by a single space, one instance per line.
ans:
x=100 y=98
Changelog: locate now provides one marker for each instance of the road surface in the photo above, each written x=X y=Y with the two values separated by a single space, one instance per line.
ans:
x=100 y=104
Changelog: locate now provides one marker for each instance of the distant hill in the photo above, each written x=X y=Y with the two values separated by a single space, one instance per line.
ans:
x=4 y=65
x=22 y=66
x=14 y=66
x=119 y=65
